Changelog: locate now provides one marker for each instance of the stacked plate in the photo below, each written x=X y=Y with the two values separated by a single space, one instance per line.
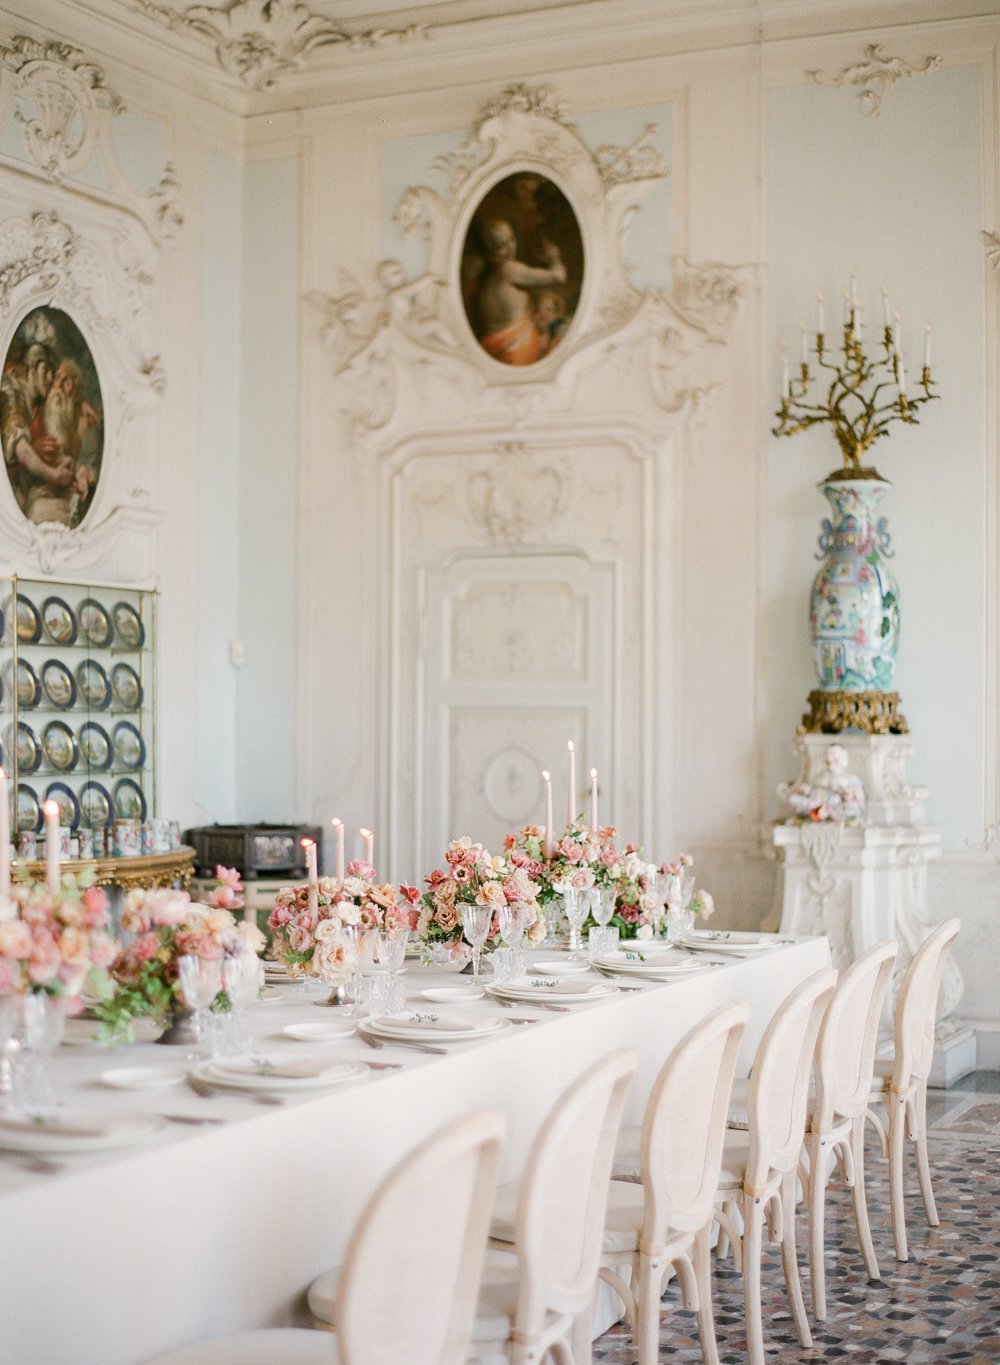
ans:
x=73 y=1130
x=656 y=964
x=727 y=941
x=274 y=1075
x=572 y=992
x=431 y=1027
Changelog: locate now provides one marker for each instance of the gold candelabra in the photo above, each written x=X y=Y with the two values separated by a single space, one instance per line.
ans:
x=857 y=406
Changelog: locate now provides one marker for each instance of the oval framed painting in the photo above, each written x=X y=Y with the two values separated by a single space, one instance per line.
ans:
x=51 y=418
x=522 y=268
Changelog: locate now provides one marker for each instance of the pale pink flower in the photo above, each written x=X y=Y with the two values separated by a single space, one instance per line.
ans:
x=348 y=912
x=581 y=879
x=228 y=876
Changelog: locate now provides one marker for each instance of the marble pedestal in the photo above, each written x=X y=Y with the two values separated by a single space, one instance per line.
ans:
x=861 y=883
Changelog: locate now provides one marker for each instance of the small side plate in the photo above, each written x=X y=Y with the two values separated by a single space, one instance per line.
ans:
x=142 y=1078
x=327 y=1032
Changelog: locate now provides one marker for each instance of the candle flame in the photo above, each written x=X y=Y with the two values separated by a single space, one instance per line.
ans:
x=365 y=833
x=569 y=745
x=336 y=822
x=546 y=775
x=51 y=807
x=593 y=772
x=307 y=843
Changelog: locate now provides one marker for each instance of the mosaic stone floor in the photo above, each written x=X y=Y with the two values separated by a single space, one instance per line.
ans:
x=941 y=1305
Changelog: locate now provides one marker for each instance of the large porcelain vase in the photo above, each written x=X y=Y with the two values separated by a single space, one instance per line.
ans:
x=854 y=604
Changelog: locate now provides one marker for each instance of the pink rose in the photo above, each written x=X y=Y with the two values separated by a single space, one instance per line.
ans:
x=359 y=868
x=609 y=857
x=570 y=850
x=581 y=879
x=446 y=918
x=299 y=939
x=278 y=917
x=167 y=907
x=228 y=876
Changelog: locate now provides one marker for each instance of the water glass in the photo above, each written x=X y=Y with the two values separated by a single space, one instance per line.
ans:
x=10 y=1048
x=503 y=962
x=602 y=904
x=385 y=993
x=201 y=981
x=476 y=921
x=43 y=1019
x=390 y=949
x=577 y=906
x=512 y=921
x=680 y=922
x=602 y=940
x=242 y=978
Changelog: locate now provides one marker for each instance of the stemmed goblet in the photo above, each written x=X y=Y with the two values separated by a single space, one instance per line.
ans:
x=242 y=977
x=201 y=981
x=577 y=904
x=602 y=906
x=511 y=922
x=476 y=921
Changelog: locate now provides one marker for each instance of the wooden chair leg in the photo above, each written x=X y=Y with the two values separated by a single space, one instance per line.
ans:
x=703 y=1274
x=897 y=1204
x=923 y=1162
x=790 y=1262
x=581 y=1350
x=859 y=1196
x=818 y=1154
x=753 y=1236
x=649 y=1287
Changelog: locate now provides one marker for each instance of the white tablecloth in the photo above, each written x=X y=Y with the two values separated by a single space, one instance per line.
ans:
x=121 y=1255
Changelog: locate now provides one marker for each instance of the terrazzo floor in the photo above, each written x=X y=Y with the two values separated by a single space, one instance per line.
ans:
x=941 y=1305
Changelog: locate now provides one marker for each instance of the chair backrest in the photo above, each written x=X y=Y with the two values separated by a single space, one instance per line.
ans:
x=845 y=1050
x=409 y=1282
x=685 y=1126
x=916 y=1006
x=564 y=1193
x=779 y=1080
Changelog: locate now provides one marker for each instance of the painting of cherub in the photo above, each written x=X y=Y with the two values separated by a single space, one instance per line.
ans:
x=522 y=268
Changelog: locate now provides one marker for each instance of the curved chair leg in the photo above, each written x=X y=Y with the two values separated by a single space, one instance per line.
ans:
x=703 y=1274
x=897 y=1205
x=923 y=1163
x=790 y=1262
x=817 y=1225
x=859 y=1196
x=646 y=1332
x=753 y=1236
x=581 y=1338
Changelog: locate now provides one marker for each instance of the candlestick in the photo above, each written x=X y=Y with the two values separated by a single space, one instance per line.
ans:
x=51 y=809
x=786 y=386
x=369 y=839
x=884 y=290
x=847 y=308
x=820 y=329
x=547 y=839
x=338 y=830
x=900 y=376
x=805 y=343
x=895 y=330
x=310 y=847
x=927 y=345
x=593 y=800
x=4 y=836
x=855 y=301
x=571 y=788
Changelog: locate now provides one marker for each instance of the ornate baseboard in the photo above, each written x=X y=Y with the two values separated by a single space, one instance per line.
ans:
x=874 y=713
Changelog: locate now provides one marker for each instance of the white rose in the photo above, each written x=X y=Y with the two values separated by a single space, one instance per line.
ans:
x=349 y=912
x=354 y=886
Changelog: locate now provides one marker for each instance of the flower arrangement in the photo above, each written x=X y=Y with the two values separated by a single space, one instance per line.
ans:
x=474 y=876
x=306 y=921
x=57 y=943
x=167 y=925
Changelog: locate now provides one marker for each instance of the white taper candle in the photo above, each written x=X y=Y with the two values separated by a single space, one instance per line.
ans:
x=51 y=809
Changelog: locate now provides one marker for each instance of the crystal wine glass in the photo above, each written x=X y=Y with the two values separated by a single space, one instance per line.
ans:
x=201 y=981
x=390 y=949
x=577 y=905
x=43 y=1020
x=476 y=921
x=511 y=922
x=242 y=977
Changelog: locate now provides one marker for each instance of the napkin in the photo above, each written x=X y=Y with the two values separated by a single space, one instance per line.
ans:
x=431 y=1021
x=270 y=1066
x=66 y=1125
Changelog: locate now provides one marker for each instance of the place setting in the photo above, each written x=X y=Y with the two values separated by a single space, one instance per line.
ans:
x=429 y=1030
x=271 y=1074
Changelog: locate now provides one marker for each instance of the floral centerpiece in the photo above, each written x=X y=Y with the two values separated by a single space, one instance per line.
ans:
x=56 y=943
x=167 y=925
x=474 y=876
x=701 y=905
x=306 y=920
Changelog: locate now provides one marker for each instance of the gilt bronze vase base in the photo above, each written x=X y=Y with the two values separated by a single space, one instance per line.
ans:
x=873 y=713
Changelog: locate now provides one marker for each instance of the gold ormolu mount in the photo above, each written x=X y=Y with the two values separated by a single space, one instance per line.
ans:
x=874 y=713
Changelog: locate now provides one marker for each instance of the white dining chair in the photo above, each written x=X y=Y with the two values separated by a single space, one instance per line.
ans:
x=760 y=1163
x=408 y=1286
x=666 y=1222
x=537 y=1304
x=900 y=1081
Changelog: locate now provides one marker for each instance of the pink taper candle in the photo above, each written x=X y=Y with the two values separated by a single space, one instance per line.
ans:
x=571 y=789
x=338 y=830
x=593 y=800
x=547 y=839
x=51 y=809
x=4 y=836
x=369 y=839
x=310 y=847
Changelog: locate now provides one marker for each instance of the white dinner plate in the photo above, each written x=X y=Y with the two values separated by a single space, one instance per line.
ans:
x=560 y=968
x=726 y=941
x=327 y=1032
x=561 y=992
x=274 y=1075
x=448 y=995
x=433 y=1028
x=627 y=960
x=74 y=1130
x=142 y=1077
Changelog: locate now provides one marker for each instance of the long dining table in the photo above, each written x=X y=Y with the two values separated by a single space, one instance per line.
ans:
x=223 y=1216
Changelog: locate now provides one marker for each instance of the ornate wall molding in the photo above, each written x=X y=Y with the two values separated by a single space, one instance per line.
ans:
x=875 y=76
x=258 y=41
x=991 y=245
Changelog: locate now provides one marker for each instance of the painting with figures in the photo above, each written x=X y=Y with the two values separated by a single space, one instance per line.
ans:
x=522 y=268
x=51 y=418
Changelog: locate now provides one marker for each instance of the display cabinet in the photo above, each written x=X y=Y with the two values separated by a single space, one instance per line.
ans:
x=77 y=704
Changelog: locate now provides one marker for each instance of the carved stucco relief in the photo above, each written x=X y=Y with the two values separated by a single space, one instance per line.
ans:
x=524 y=630
x=874 y=75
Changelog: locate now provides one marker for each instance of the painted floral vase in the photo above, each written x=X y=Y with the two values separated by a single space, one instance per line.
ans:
x=854 y=604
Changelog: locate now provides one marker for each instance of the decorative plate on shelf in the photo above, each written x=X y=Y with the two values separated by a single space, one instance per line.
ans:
x=126 y=686
x=130 y=804
x=95 y=745
x=29 y=753
x=29 y=812
x=60 y=746
x=69 y=806
x=95 y=805
x=58 y=684
x=128 y=625
x=3 y=621
x=95 y=622
x=29 y=623
x=94 y=685
x=29 y=689
x=129 y=748
x=59 y=621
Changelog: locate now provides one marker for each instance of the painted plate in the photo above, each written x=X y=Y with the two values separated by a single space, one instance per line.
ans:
x=128 y=625
x=95 y=689
x=95 y=805
x=95 y=745
x=59 y=621
x=29 y=753
x=29 y=623
x=95 y=622
x=29 y=689
x=129 y=748
x=69 y=806
x=126 y=686
x=130 y=804
x=29 y=812
x=60 y=746
x=58 y=684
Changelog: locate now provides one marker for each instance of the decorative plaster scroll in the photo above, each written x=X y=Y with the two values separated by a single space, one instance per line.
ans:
x=516 y=496
x=991 y=242
x=259 y=40
x=876 y=75
x=537 y=630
